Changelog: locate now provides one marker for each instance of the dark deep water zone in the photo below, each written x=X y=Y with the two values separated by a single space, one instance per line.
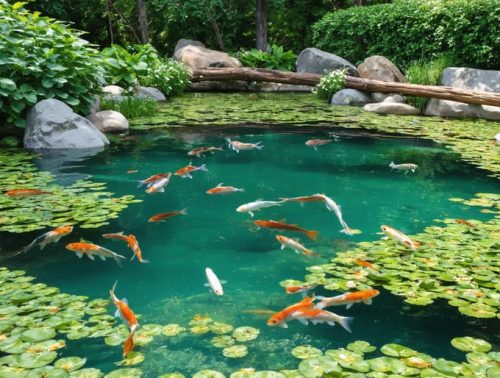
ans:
x=353 y=170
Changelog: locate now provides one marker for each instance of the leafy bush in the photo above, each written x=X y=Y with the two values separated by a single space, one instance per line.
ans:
x=43 y=58
x=331 y=83
x=169 y=76
x=415 y=29
x=274 y=59
x=131 y=107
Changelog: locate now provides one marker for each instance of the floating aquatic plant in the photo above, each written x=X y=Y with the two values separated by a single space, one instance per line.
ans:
x=222 y=341
x=172 y=330
x=242 y=334
x=235 y=351
x=70 y=363
x=208 y=374
x=470 y=344
x=125 y=373
x=133 y=358
x=306 y=351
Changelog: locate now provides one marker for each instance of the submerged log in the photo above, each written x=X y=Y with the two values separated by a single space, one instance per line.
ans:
x=367 y=85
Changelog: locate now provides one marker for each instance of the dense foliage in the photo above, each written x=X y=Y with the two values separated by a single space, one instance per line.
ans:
x=275 y=58
x=42 y=58
x=415 y=29
x=130 y=106
x=331 y=83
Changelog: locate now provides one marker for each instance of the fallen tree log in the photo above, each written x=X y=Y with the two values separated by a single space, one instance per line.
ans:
x=259 y=74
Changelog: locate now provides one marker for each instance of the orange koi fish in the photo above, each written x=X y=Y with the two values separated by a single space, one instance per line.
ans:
x=364 y=264
x=152 y=179
x=123 y=311
x=240 y=146
x=92 y=250
x=348 y=298
x=464 y=222
x=315 y=316
x=118 y=236
x=25 y=192
x=220 y=189
x=312 y=234
x=49 y=237
x=128 y=345
x=303 y=199
x=159 y=185
x=134 y=246
x=280 y=318
x=299 y=289
x=200 y=151
x=294 y=244
x=185 y=172
x=163 y=216
x=314 y=143
x=399 y=237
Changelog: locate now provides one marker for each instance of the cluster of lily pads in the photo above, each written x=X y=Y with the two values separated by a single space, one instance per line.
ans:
x=84 y=202
x=457 y=262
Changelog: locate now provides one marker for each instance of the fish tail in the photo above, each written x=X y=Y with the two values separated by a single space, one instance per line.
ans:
x=112 y=291
x=183 y=211
x=345 y=322
x=128 y=346
x=204 y=168
x=117 y=259
x=240 y=190
x=140 y=183
x=144 y=261
x=259 y=145
x=284 y=199
x=312 y=234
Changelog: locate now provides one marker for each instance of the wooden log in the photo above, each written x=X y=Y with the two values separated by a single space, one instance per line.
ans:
x=259 y=74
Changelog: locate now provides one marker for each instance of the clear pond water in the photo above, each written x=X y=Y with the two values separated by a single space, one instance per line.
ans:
x=353 y=171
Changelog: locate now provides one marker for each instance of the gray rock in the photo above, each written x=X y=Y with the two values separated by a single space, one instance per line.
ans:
x=391 y=108
x=113 y=90
x=395 y=98
x=200 y=57
x=150 y=92
x=109 y=121
x=471 y=79
x=316 y=61
x=52 y=124
x=378 y=67
x=350 y=97
x=380 y=97
x=187 y=42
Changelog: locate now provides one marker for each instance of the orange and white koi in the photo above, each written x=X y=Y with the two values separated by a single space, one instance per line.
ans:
x=159 y=185
x=280 y=318
x=52 y=236
x=200 y=151
x=128 y=345
x=316 y=316
x=213 y=282
x=364 y=264
x=312 y=234
x=299 y=289
x=404 y=167
x=240 y=146
x=185 y=172
x=118 y=236
x=314 y=143
x=294 y=244
x=134 y=246
x=304 y=199
x=348 y=298
x=92 y=250
x=399 y=237
x=162 y=216
x=256 y=205
x=25 y=192
x=152 y=179
x=331 y=205
x=220 y=189
x=123 y=311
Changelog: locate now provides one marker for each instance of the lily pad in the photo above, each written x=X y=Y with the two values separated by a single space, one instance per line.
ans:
x=35 y=360
x=87 y=373
x=172 y=330
x=208 y=374
x=387 y=365
x=242 y=334
x=48 y=372
x=199 y=329
x=38 y=334
x=470 y=344
x=243 y=373
x=172 y=375
x=235 y=351
x=396 y=350
x=133 y=358
x=348 y=359
x=361 y=347
x=268 y=374
x=306 y=351
x=446 y=367
x=70 y=363
x=318 y=367
x=125 y=373
x=12 y=372
x=222 y=341
x=220 y=328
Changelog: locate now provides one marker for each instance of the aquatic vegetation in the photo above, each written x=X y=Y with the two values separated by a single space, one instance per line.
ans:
x=306 y=351
x=242 y=334
x=84 y=202
x=173 y=330
x=235 y=351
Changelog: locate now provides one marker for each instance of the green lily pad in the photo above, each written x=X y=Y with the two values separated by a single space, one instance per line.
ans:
x=200 y=320
x=115 y=339
x=222 y=341
x=199 y=329
x=172 y=330
x=152 y=329
x=292 y=373
x=208 y=374
x=70 y=363
x=235 y=351
x=306 y=351
x=478 y=358
x=361 y=347
x=242 y=334
x=48 y=372
x=348 y=359
x=12 y=372
x=470 y=344
x=268 y=374
x=35 y=360
x=318 y=367
x=446 y=367
x=125 y=373
x=142 y=339
x=87 y=373
x=396 y=350
x=220 y=328
x=387 y=365
x=243 y=373
x=420 y=361
x=132 y=358
x=38 y=334
x=172 y=375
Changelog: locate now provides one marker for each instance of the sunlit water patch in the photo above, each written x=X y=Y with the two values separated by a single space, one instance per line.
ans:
x=352 y=170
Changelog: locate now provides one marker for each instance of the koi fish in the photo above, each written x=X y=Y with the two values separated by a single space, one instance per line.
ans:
x=348 y=298
x=52 y=236
x=25 y=192
x=240 y=146
x=316 y=316
x=304 y=199
x=464 y=222
x=134 y=246
x=130 y=171
x=299 y=289
x=162 y=216
x=128 y=345
x=314 y=143
x=185 y=172
x=257 y=205
x=280 y=318
x=200 y=151
x=213 y=282
x=404 y=167
x=159 y=185
x=220 y=189
x=123 y=311
x=294 y=244
x=364 y=264
x=152 y=179
x=92 y=250
x=331 y=205
x=312 y=234
x=399 y=237
x=118 y=236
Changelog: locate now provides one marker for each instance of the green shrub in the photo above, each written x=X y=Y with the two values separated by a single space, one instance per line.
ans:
x=131 y=107
x=43 y=58
x=274 y=59
x=407 y=30
x=169 y=76
x=331 y=83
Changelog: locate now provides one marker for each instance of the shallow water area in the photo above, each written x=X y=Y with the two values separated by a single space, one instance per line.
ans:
x=352 y=169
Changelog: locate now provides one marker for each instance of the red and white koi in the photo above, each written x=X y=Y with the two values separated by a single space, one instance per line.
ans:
x=348 y=299
x=200 y=151
x=317 y=316
x=213 y=282
x=240 y=146
x=162 y=216
x=159 y=185
x=294 y=244
x=300 y=289
x=251 y=207
x=185 y=172
x=152 y=179
x=399 y=237
x=403 y=167
x=281 y=318
x=314 y=143
x=279 y=225
x=221 y=189
x=52 y=236
x=123 y=311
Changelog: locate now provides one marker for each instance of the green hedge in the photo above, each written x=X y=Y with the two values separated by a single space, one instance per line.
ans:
x=409 y=30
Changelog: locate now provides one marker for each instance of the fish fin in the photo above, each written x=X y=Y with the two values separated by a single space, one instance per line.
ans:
x=303 y=321
x=79 y=255
x=223 y=282
x=314 y=322
x=284 y=325
x=251 y=213
x=259 y=145
x=145 y=261
x=240 y=189
x=133 y=256
x=282 y=246
x=90 y=256
x=102 y=258
x=320 y=305
x=140 y=183
x=331 y=323
x=348 y=306
x=312 y=234
x=368 y=301
x=161 y=190
x=118 y=314
x=124 y=300
x=183 y=211
x=345 y=321
x=117 y=259
x=346 y=231
x=227 y=140
x=206 y=284
x=203 y=168
x=315 y=148
x=219 y=184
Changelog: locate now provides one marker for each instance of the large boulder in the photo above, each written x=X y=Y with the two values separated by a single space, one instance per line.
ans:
x=471 y=79
x=350 y=97
x=378 y=67
x=200 y=57
x=391 y=108
x=52 y=124
x=187 y=42
x=150 y=92
x=109 y=121
x=312 y=60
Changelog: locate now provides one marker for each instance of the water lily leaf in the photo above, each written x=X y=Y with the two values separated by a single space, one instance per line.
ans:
x=38 y=334
x=493 y=372
x=348 y=359
x=387 y=365
x=47 y=345
x=242 y=334
x=268 y=374
x=478 y=358
x=172 y=330
x=125 y=373
x=70 y=363
x=35 y=360
x=115 y=339
x=243 y=373
x=420 y=361
x=446 y=367
x=172 y=375
x=12 y=372
x=470 y=344
x=152 y=329
x=199 y=320
x=220 y=328
x=306 y=351
x=396 y=350
x=235 y=351
x=292 y=373
x=318 y=367
x=133 y=358
x=48 y=372
x=208 y=374
x=361 y=347
x=87 y=373
x=478 y=310
x=222 y=341
x=199 y=329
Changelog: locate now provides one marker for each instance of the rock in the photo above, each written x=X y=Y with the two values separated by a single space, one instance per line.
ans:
x=109 y=121
x=395 y=98
x=471 y=79
x=187 y=42
x=378 y=67
x=391 y=108
x=313 y=60
x=380 y=97
x=350 y=97
x=200 y=57
x=113 y=90
x=52 y=124
x=150 y=92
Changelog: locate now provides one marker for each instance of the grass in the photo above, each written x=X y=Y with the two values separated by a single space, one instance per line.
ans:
x=131 y=107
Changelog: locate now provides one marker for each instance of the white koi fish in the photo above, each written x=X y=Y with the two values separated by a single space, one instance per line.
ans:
x=331 y=205
x=213 y=282
x=404 y=167
x=257 y=205
x=240 y=146
x=399 y=237
x=293 y=244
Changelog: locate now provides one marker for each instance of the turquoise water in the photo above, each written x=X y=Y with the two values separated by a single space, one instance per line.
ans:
x=353 y=171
